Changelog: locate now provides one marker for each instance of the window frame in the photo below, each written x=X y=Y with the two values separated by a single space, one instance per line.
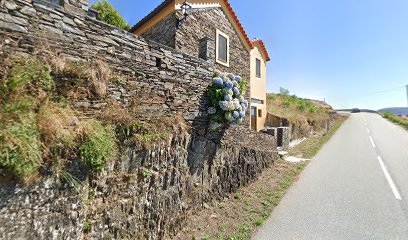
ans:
x=217 y=60
x=257 y=101
x=257 y=60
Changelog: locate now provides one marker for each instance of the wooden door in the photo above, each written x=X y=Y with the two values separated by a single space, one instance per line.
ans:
x=253 y=118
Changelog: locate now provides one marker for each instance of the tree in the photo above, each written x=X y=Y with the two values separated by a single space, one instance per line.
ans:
x=107 y=13
x=284 y=91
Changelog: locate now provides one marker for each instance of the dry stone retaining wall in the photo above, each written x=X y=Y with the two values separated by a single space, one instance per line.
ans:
x=148 y=190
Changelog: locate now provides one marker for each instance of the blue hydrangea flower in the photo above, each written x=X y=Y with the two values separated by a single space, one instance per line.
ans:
x=228 y=98
x=236 y=90
x=229 y=84
x=235 y=114
x=238 y=78
x=236 y=103
x=231 y=105
x=245 y=103
x=218 y=80
x=211 y=110
x=223 y=105
x=242 y=114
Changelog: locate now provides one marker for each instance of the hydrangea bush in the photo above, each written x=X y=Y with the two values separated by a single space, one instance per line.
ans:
x=227 y=96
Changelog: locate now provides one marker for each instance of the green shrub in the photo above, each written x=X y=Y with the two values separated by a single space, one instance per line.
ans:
x=302 y=106
x=28 y=75
x=271 y=97
x=108 y=14
x=20 y=147
x=87 y=225
x=20 y=143
x=97 y=146
x=286 y=102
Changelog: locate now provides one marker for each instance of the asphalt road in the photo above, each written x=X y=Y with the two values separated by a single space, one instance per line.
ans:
x=355 y=188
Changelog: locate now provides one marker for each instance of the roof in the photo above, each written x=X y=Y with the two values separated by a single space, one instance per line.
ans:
x=165 y=3
x=261 y=47
x=235 y=17
x=150 y=15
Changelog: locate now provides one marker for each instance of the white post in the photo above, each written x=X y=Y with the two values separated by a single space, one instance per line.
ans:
x=407 y=95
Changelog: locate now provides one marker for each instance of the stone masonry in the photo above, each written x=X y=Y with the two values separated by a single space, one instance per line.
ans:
x=163 y=32
x=202 y=24
x=147 y=191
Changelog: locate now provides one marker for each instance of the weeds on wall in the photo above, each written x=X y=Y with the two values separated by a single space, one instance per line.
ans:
x=35 y=124
x=97 y=145
x=22 y=89
x=38 y=128
x=99 y=75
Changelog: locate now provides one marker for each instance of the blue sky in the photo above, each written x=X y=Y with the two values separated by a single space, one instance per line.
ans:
x=354 y=53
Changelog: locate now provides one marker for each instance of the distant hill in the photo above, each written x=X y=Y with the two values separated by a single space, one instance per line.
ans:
x=396 y=110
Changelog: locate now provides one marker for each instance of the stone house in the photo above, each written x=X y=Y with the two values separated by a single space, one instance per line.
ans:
x=213 y=32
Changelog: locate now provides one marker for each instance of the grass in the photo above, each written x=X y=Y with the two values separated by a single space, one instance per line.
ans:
x=304 y=114
x=97 y=145
x=36 y=121
x=87 y=225
x=291 y=106
x=22 y=89
x=99 y=75
x=243 y=212
x=311 y=146
x=20 y=147
x=396 y=119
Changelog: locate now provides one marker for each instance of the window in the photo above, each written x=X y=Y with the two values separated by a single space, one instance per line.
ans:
x=258 y=67
x=222 y=48
x=257 y=101
x=259 y=113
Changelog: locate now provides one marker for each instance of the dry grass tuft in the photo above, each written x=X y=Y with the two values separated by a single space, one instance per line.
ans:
x=117 y=114
x=99 y=75
x=174 y=124
x=56 y=124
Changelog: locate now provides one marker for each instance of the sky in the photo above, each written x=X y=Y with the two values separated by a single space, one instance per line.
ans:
x=353 y=53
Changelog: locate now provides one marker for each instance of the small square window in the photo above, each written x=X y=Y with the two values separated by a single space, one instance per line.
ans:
x=258 y=68
x=222 y=48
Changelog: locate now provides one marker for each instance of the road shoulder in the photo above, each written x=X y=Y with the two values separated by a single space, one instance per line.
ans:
x=239 y=215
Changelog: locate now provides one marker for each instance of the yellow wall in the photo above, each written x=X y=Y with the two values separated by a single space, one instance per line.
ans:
x=258 y=86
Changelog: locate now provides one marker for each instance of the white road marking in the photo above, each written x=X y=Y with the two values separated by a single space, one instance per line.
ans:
x=372 y=141
x=368 y=130
x=389 y=179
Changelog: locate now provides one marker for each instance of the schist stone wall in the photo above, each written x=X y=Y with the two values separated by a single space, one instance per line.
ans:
x=163 y=32
x=196 y=36
x=199 y=30
x=185 y=172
